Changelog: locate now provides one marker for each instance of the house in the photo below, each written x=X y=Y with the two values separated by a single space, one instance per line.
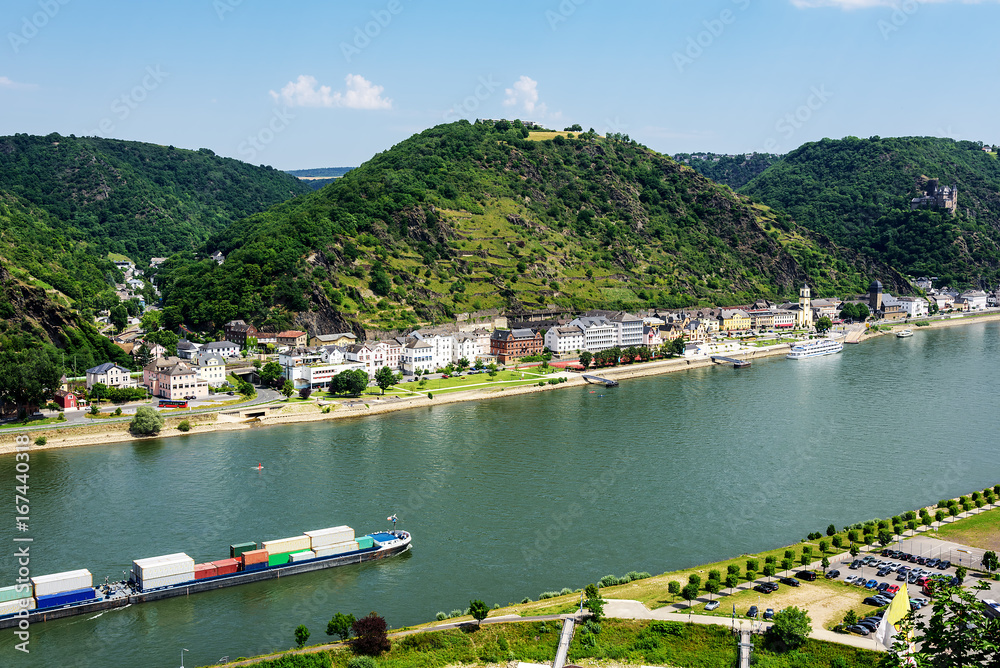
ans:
x=187 y=350
x=417 y=355
x=629 y=329
x=733 y=320
x=211 y=368
x=66 y=400
x=340 y=339
x=936 y=197
x=333 y=354
x=156 y=261
x=443 y=344
x=976 y=299
x=110 y=375
x=218 y=257
x=238 y=331
x=291 y=337
x=942 y=300
x=761 y=319
x=784 y=319
x=925 y=283
x=561 y=340
x=512 y=344
x=651 y=337
x=467 y=346
x=307 y=368
x=222 y=348
x=174 y=379
x=599 y=333
x=915 y=307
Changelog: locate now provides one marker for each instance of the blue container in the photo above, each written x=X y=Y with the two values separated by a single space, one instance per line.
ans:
x=65 y=598
x=255 y=567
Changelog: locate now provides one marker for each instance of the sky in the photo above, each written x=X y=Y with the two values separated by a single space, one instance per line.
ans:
x=325 y=84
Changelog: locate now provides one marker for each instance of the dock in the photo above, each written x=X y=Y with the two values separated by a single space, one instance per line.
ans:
x=737 y=364
x=600 y=381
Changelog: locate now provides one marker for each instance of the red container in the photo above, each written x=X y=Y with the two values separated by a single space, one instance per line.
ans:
x=204 y=571
x=226 y=566
x=254 y=557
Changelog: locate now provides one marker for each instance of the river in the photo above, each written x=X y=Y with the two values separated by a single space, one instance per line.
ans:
x=510 y=497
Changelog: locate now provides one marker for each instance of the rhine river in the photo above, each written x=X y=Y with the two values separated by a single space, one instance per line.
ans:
x=510 y=497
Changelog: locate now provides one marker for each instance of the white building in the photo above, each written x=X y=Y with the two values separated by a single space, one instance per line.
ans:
x=305 y=368
x=187 y=350
x=562 y=340
x=915 y=307
x=223 y=348
x=976 y=299
x=599 y=333
x=629 y=329
x=418 y=354
x=467 y=345
x=443 y=345
x=110 y=375
x=211 y=369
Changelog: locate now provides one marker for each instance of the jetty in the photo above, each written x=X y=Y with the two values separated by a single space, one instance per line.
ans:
x=737 y=364
x=600 y=381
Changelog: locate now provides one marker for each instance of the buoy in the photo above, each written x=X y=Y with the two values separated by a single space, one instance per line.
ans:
x=259 y=466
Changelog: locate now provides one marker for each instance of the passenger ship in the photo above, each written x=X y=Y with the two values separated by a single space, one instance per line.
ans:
x=815 y=348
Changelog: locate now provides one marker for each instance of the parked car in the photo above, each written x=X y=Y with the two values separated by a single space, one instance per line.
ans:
x=944 y=565
x=855 y=565
x=711 y=605
x=752 y=612
x=882 y=586
x=892 y=589
x=832 y=575
x=871 y=584
x=871 y=600
x=769 y=613
x=860 y=630
x=808 y=576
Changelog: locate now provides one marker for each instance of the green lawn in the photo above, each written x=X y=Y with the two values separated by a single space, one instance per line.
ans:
x=38 y=422
x=982 y=530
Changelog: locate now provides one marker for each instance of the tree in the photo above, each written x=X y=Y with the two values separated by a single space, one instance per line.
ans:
x=370 y=636
x=689 y=593
x=713 y=586
x=863 y=311
x=271 y=372
x=301 y=635
x=961 y=572
x=463 y=364
x=831 y=530
x=674 y=587
x=288 y=389
x=990 y=561
x=352 y=381
x=823 y=546
x=769 y=571
x=479 y=610
x=585 y=359
x=151 y=321
x=491 y=370
x=147 y=422
x=791 y=627
x=385 y=378
x=593 y=602
x=28 y=377
x=885 y=537
x=837 y=542
x=340 y=625
x=854 y=550
x=98 y=392
x=305 y=392
x=825 y=563
x=823 y=325
x=731 y=582
x=677 y=345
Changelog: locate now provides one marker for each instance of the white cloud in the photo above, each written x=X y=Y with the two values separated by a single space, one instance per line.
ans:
x=359 y=94
x=865 y=4
x=524 y=95
x=5 y=82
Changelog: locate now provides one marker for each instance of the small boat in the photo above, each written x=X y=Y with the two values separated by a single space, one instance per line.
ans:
x=904 y=333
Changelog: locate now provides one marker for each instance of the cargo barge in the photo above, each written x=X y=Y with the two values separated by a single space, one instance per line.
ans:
x=183 y=577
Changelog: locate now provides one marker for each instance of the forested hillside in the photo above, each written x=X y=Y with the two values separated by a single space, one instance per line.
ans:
x=857 y=191
x=140 y=200
x=734 y=171
x=463 y=217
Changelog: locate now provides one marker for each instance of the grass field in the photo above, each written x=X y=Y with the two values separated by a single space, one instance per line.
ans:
x=542 y=136
x=479 y=381
x=982 y=530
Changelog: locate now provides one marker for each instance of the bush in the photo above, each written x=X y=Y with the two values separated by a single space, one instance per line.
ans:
x=184 y=426
x=441 y=616
x=455 y=613
x=564 y=592
x=147 y=422
x=525 y=600
x=608 y=581
x=41 y=440
x=667 y=628
x=430 y=396
x=592 y=627
x=547 y=594
x=370 y=636
x=362 y=662
x=118 y=411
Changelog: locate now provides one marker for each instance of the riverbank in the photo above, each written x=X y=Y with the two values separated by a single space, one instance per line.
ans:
x=296 y=413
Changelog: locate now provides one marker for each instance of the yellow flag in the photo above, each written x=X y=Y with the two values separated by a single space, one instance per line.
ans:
x=898 y=609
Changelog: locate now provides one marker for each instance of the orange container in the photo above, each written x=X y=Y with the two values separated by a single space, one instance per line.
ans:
x=254 y=557
x=226 y=566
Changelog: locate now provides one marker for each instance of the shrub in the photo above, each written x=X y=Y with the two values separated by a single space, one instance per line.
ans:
x=547 y=594
x=455 y=613
x=40 y=440
x=592 y=627
x=362 y=662
x=564 y=592
x=147 y=422
x=667 y=628
x=118 y=411
x=430 y=396
x=441 y=616
x=525 y=600
x=370 y=636
x=608 y=581
x=184 y=426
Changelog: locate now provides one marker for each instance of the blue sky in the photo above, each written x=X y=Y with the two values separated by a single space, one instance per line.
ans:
x=319 y=84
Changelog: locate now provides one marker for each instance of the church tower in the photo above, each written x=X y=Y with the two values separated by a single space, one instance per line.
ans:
x=805 y=319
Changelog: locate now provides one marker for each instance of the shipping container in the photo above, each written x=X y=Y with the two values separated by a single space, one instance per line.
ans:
x=255 y=567
x=239 y=548
x=340 y=548
x=202 y=571
x=284 y=545
x=365 y=542
x=226 y=566
x=16 y=592
x=279 y=559
x=58 y=583
x=65 y=598
x=161 y=567
x=13 y=607
x=168 y=581
x=331 y=536
x=254 y=557
x=302 y=556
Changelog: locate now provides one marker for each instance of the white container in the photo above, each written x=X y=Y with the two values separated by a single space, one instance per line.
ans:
x=11 y=607
x=161 y=567
x=302 y=556
x=331 y=536
x=339 y=548
x=57 y=583
x=156 y=583
x=294 y=544
x=15 y=592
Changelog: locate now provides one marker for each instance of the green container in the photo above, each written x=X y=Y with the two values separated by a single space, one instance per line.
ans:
x=279 y=559
x=364 y=542
x=15 y=593
x=239 y=548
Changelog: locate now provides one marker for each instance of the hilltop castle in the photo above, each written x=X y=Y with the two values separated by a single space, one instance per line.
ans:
x=936 y=197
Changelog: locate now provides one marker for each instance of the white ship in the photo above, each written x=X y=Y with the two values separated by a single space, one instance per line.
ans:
x=815 y=348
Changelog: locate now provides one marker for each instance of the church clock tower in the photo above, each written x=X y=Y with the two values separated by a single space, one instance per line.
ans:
x=805 y=308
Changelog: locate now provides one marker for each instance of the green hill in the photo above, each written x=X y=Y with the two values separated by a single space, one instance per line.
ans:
x=464 y=217
x=857 y=191
x=734 y=171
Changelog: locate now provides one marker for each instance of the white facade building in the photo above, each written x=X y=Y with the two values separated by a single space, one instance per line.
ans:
x=211 y=369
x=599 y=333
x=629 y=329
x=562 y=340
x=418 y=354
x=915 y=307
x=223 y=348
x=110 y=375
x=468 y=346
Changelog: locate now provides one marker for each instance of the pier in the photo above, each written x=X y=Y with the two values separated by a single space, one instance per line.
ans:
x=600 y=381
x=737 y=364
